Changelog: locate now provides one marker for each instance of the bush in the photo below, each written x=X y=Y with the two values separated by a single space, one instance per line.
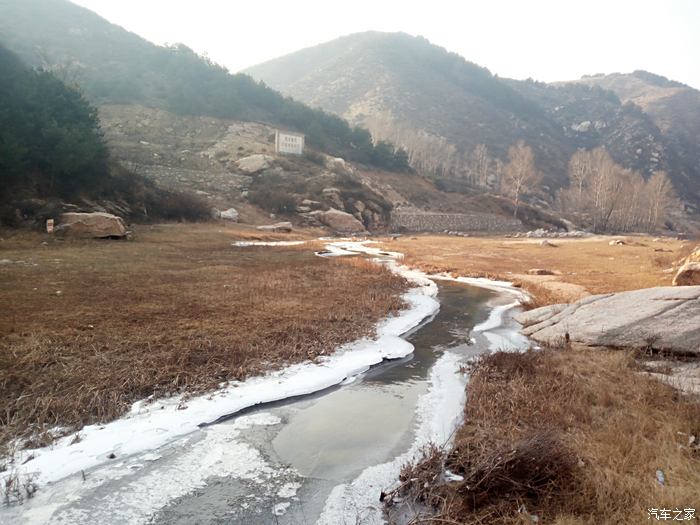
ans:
x=176 y=206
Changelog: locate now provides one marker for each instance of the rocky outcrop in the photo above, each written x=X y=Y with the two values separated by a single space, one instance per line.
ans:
x=689 y=273
x=279 y=227
x=665 y=318
x=254 y=164
x=91 y=225
x=339 y=221
x=230 y=215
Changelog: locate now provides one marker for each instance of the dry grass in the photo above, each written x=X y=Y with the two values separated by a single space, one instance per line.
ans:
x=574 y=437
x=583 y=265
x=88 y=327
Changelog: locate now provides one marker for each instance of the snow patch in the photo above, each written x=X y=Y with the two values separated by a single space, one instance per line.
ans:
x=244 y=244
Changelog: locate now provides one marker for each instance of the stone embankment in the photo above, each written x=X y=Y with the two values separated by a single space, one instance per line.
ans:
x=442 y=222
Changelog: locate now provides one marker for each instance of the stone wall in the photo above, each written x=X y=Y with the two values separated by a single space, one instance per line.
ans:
x=461 y=222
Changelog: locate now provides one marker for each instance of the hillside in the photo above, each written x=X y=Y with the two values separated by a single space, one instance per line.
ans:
x=673 y=107
x=440 y=107
x=114 y=66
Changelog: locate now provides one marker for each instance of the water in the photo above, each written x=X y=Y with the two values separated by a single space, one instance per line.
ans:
x=288 y=456
x=329 y=438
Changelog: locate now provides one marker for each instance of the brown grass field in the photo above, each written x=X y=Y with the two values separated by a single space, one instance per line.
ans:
x=89 y=326
x=573 y=436
x=581 y=266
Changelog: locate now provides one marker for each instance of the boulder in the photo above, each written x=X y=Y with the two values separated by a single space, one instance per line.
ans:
x=91 y=225
x=688 y=275
x=339 y=221
x=617 y=242
x=230 y=215
x=335 y=164
x=311 y=204
x=215 y=213
x=280 y=227
x=332 y=195
x=664 y=318
x=254 y=163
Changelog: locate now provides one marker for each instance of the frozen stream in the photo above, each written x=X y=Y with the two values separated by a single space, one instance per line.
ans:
x=320 y=457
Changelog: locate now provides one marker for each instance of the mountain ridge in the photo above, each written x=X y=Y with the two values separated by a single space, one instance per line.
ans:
x=408 y=90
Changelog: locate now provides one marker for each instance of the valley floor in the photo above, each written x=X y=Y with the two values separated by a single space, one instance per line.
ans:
x=578 y=266
x=91 y=326
x=563 y=436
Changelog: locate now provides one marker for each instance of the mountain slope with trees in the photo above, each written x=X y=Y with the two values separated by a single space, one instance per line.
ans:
x=112 y=65
x=451 y=114
x=50 y=141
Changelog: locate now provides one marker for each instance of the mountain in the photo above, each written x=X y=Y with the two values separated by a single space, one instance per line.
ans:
x=672 y=106
x=440 y=107
x=114 y=66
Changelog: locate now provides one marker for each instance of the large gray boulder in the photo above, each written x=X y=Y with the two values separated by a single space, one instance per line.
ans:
x=665 y=318
x=339 y=221
x=90 y=225
x=229 y=215
x=254 y=163
x=279 y=227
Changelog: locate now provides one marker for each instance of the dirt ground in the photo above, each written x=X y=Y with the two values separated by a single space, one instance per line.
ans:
x=580 y=266
x=90 y=326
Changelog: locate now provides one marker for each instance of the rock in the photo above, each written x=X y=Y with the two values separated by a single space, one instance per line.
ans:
x=545 y=242
x=335 y=164
x=359 y=206
x=332 y=195
x=215 y=214
x=339 y=221
x=540 y=271
x=689 y=272
x=303 y=209
x=617 y=242
x=314 y=205
x=254 y=163
x=688 y=275
x=664 y=318
x=91 y=225
x=230 y=215
x=280 y=227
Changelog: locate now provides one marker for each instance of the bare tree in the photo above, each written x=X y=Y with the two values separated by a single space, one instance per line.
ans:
x=660 y=195
x=612 y=198
x=520 y=174
x=481 y=165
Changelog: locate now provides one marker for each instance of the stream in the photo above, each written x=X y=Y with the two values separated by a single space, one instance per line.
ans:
x=317 y=458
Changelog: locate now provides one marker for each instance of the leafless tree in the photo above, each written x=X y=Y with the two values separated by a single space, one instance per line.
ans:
x=520 y=174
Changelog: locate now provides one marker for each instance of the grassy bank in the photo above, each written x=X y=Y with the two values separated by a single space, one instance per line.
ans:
x=566 y=436
x=89 y=327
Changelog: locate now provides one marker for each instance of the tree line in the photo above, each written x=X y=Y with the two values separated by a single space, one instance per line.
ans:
x=601 y=195
x=50 y=139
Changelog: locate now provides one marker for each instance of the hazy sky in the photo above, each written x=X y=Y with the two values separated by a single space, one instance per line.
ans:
x=543 y=39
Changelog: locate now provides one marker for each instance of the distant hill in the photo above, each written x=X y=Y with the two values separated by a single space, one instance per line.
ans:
x=672 y=106
x=114 y=66
x=440 y=107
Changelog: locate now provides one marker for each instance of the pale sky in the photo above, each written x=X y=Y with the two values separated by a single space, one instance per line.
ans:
x=547 y=40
